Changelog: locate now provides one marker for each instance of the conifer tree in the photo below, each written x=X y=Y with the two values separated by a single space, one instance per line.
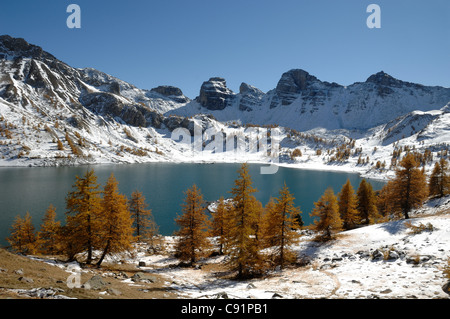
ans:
x=23 y=238
x=409 y=186
x=281 y=225
x=242 y=240
x=219 y=226
x=327 y=211
x=49 y=236
x=367 y=203
x=82 y=216
x=385 y=203
x=439 y=184
x=115 y=231
x=192 y=242
x=348 y=203
x=268 y=212
x=143 y=221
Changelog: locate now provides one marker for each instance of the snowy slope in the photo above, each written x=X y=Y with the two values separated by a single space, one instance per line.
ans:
x=348 y=267
x=112 y=121
x=386 y=261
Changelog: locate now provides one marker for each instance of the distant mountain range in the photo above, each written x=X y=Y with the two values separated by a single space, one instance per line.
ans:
x=38 y=89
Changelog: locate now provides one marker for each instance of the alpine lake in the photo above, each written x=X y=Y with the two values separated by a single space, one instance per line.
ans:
x=33 y=189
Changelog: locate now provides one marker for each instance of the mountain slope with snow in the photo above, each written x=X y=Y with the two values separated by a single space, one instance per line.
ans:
x=101 y=119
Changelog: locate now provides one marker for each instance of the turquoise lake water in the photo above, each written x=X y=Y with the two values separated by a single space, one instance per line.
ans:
x=163 y=184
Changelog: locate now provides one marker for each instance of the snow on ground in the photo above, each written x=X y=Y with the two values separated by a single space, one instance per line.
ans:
x=378 y=261
x=384 y=260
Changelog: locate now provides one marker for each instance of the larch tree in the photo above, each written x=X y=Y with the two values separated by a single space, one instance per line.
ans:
x=115 y=227
x=192 y=236
x=22 y=237
x=244 y=216
x=219 y=225
x=409 y=186
x=348 y=203
x=143 y=222
x=82 y=217
x=280 y=227
x=439 y=184
x=326 y=209
x=367 y=203
x=49 y=235
x=385 y=203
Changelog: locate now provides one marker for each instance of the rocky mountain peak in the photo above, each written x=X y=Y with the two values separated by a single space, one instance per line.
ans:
x=17 y=47
x=214 y=94
x=171 y=92
x=298 y=82
x=382 y=78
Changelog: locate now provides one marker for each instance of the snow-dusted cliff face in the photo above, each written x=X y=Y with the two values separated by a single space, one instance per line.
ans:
x=99 y=118
x=303 y=102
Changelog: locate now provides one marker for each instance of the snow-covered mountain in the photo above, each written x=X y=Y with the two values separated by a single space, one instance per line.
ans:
x=302 y=102
x=54 y=114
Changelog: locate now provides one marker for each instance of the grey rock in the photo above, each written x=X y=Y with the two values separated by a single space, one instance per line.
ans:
x=114 y=292
x=18 y=271
x=19 y=47
x=214 y=94
x=221 y=295
x=249 y=97
x=143 y=277
x=114 y=87
x=26 y=279
x=108 y=104
x=298 y=82
x=171 y=92
x=376 y=254
x=96 y=283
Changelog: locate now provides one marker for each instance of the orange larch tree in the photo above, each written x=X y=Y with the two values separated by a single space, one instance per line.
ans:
x=192 y=236
x=115 y=223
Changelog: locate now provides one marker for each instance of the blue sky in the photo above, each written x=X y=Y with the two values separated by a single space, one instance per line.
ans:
x=185 y=42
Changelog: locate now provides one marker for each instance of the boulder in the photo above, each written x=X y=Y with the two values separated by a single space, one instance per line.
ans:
x=143 y=277
x=376 y=254
x=96 y=283
x=114 y=292
x=26 y=279
x=221 y=295
x=18 y=271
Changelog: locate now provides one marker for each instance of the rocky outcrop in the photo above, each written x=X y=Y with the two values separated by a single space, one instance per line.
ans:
x=171 y=92
x=249 y=97
x=17 y=47
x=108 y=104
x=214 y=94
x=296 y=83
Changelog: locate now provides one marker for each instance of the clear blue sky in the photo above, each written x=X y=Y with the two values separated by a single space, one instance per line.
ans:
x=185 y=42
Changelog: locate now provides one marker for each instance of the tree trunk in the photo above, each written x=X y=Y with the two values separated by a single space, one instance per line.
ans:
x=105 y=252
